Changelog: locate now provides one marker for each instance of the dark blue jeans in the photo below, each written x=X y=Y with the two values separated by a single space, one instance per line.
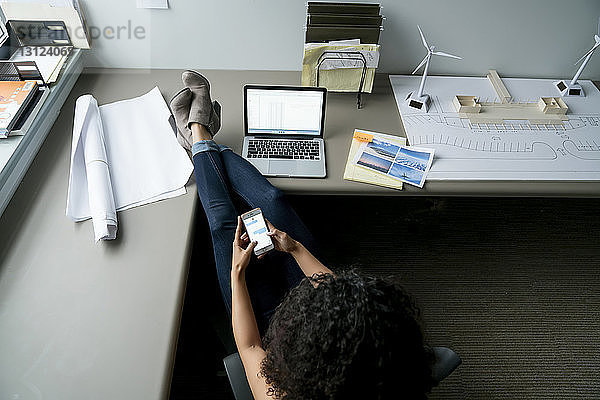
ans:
x=221 y=173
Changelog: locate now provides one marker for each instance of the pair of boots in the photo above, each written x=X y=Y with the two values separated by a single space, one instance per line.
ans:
x=193 y=104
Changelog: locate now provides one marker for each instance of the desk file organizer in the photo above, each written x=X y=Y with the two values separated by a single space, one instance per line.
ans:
x=38 y=33
x=34 y=50
x=341 y=50
x=68 y=13
x=30 y=43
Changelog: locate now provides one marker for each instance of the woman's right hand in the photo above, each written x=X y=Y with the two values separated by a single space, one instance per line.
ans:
x=281 y=240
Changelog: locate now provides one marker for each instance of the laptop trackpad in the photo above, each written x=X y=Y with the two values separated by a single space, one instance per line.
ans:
x=282 y=167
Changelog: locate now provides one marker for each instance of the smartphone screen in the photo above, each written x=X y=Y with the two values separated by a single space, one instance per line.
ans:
x=257 y=230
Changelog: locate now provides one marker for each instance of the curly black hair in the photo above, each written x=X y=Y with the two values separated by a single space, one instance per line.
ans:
x=346 y=336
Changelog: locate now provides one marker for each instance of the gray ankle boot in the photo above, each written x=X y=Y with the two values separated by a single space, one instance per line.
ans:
x=202 y=110
x=180 y=108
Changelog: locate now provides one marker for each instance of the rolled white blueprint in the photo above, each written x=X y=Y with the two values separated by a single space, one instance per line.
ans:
x=90 y=187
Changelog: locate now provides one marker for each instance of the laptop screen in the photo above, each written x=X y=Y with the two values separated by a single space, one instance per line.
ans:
x=280 y=110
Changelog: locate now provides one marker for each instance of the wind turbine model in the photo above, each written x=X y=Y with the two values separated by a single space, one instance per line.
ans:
x=573 y=88
x=421 y=100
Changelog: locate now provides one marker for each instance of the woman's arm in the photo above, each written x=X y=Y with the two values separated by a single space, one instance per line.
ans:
x=307 y=262
x=245 y=329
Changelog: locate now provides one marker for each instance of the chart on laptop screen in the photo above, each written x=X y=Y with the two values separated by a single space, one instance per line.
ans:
x=284 y=112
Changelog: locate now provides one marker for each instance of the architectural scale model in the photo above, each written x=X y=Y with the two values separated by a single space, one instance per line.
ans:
x=518 y=148
x=546 y=110
x=420 y=100
x=573 y=88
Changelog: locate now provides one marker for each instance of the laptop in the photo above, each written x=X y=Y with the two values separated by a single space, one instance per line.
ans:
x=284 y=130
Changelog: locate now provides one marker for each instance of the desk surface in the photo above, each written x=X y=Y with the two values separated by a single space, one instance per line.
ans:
x=80 y=320
x=378 y=114
x=85 y=320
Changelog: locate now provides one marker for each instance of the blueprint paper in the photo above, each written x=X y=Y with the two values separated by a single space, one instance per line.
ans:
x=514 y=150
x=90 y=175
x=145 y=161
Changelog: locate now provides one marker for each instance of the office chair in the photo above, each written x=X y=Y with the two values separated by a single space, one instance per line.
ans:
x=446 y=362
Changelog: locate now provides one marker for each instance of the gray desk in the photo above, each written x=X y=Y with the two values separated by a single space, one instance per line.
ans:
x=80 y=320
x=379 y=114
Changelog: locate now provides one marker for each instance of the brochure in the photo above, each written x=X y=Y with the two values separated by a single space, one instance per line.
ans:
x=403 y=163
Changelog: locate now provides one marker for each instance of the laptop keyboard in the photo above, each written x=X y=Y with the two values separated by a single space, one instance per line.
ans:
x=284 y=149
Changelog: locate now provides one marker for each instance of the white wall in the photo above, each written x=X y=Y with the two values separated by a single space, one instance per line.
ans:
x=535 y=38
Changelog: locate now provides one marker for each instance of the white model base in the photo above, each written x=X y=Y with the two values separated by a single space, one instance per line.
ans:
x=418 y=103
x=515 y=150
x=567 y=90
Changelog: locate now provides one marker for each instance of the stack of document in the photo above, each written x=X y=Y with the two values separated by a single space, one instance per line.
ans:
x=341 y=71
x=48 y=60
x=357 y=172
x=385 y=160
x=341 y=49
x=123 y=155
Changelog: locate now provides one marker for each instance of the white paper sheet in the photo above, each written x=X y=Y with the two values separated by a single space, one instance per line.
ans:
x=158 y=4
x=348 y=42
x=145 y=161
x=515 y=150
x=53 y=3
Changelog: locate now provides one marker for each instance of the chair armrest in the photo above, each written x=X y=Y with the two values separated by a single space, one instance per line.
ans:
x=446 y=361
x=237 y=377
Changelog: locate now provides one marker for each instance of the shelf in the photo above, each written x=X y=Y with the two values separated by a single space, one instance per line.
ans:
x=17 y=152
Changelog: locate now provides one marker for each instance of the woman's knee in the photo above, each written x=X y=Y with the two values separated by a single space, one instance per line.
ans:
x=221 y=225
x=220 y=216
x=273 y=195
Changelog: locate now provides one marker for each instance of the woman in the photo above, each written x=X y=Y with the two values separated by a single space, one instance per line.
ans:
x=332 y=336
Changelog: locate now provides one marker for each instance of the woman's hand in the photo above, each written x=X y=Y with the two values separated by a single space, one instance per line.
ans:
x=242 y=250
x=281 y=240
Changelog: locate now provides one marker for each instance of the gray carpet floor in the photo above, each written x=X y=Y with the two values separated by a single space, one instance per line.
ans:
x=512 y=285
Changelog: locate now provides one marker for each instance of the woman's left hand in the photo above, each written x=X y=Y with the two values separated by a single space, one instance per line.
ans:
x=242 y=250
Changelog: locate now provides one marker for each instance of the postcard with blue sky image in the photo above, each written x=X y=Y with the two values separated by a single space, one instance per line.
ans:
x=403 y=163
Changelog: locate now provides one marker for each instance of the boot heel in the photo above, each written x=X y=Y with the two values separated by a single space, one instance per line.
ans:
x=217 y=108
x=215 y=118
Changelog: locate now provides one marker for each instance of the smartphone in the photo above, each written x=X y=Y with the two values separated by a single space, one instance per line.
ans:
x=257 y=231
